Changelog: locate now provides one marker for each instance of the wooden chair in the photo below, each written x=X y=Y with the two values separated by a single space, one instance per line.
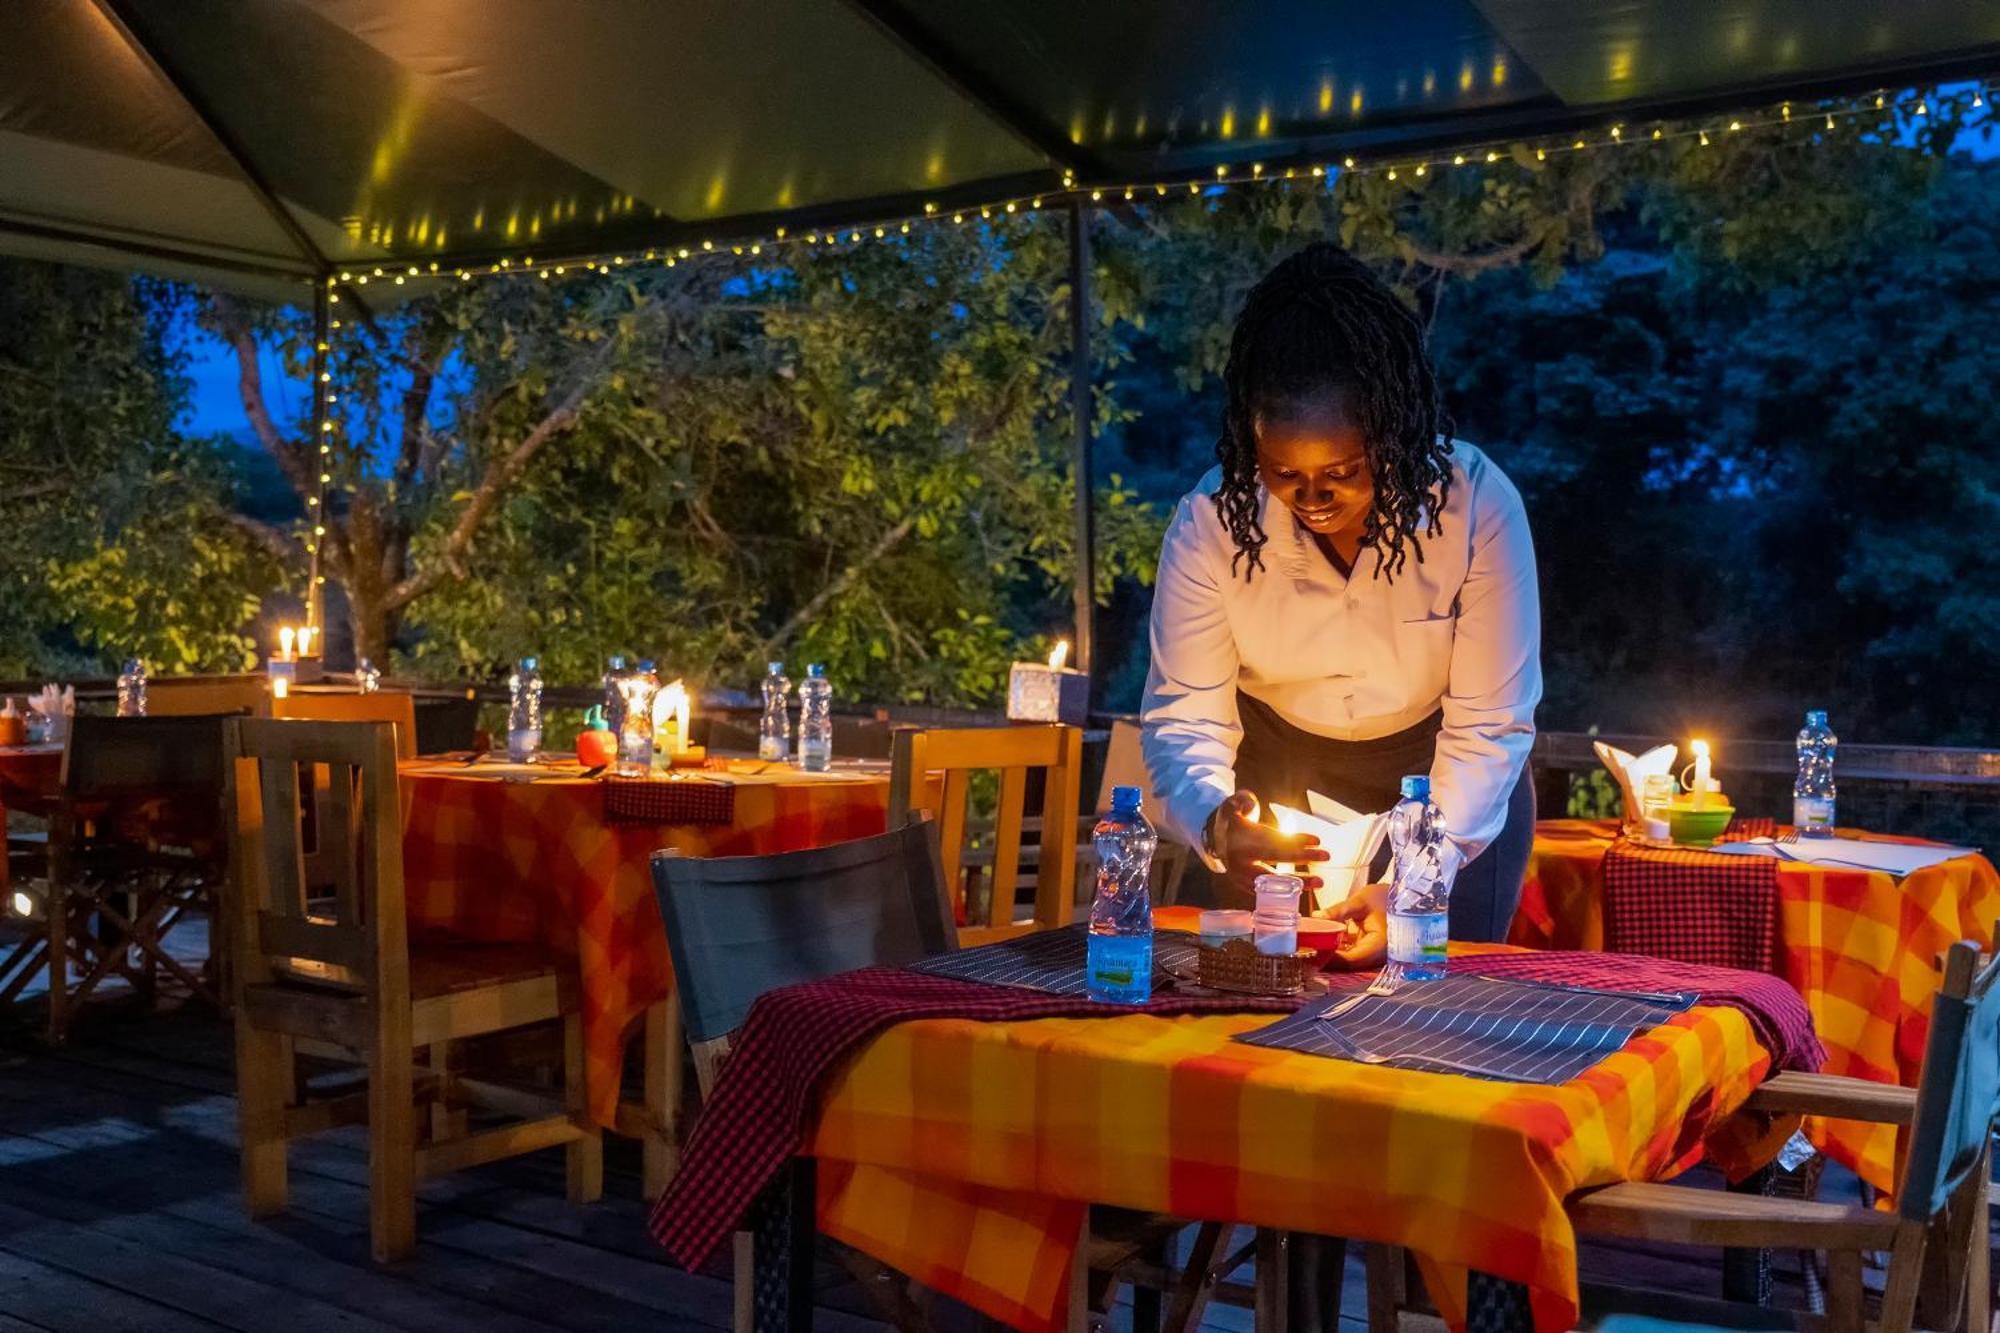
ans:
x=191 y=696
x=343 y=971
x=738 y=926
x=392 y=706
x=959 y=753
x=1937 y=1238
x=136 y=846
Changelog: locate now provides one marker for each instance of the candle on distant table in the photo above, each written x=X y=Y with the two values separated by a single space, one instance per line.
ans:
x=1701 y=774
x=1051 y=692
x=285 y=643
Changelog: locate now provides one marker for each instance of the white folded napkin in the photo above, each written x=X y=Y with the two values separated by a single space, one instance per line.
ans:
x=1633 y=770
x=1349 y=838
x=55 y=708
x=1896 y=858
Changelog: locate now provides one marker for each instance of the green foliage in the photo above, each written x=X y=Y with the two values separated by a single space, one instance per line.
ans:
x=119 y=538
x=859 y=458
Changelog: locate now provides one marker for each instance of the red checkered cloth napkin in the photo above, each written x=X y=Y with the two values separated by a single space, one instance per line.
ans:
x=669 y=801
x=794 y=1038
x=1691 y=906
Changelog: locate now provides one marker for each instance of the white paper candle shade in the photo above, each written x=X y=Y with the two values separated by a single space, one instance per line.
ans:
x=1037 y=692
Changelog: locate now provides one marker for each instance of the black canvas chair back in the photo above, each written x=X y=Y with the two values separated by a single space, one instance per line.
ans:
x=109 y=758
x=738 y=926
x=1960 y=1085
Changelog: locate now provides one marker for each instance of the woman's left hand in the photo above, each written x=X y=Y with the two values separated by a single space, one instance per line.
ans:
x=1368 y=911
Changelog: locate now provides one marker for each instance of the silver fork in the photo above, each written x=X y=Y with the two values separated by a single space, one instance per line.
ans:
x=1383 y=984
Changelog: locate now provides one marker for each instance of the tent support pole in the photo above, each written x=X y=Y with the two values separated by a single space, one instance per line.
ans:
x=322 y=395
x=1081 y=408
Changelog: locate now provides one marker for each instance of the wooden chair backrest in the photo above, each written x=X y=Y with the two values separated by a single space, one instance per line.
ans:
x=356 y=938
x=381 y=706
x=1125 y=766
x=958 y=754
x=180 y=696
x=1959 y=1087
x=738 y=926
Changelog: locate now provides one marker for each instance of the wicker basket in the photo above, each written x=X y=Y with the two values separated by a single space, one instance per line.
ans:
x=1237 y=966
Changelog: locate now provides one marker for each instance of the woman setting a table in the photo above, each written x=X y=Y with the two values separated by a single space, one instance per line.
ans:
x=1348 y=597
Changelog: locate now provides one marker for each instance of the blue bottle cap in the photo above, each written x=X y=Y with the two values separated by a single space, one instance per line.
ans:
x=530 y=663
x=817 y=670
x=1815 y=717
x=774 y=668
x=1125 y=798
x=617 y=662
x=1417 y=787
x=645 y=664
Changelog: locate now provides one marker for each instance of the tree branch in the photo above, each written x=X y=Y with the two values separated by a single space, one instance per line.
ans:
x=280 y=546
x=499 y=475
x=841 y=582
x=288 y=454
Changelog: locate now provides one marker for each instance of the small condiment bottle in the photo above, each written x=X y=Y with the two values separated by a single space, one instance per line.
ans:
x=13 y=726
x=1275 y=927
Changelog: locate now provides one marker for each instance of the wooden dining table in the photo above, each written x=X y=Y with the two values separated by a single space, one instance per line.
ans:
x=967 y=1153
x=1862 y=947
x=506 y=853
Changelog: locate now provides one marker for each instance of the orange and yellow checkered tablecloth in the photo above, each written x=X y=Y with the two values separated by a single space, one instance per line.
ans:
x=1860 y=946
x=537 y=862
x=964 y=1153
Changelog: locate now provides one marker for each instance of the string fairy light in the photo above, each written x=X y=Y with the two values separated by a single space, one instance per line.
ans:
x=1778 y=118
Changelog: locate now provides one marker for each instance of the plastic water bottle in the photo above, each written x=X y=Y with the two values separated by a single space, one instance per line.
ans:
x=1118 y=966
x=524 y=711
x=614 y=694
x=816 y=720
x=1420 y=884
x=367 y=677
x=132 y=689
x=1812 y=793
x=774 y=732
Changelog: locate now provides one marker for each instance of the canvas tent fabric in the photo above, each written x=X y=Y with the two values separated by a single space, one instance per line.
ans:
x=264 y=144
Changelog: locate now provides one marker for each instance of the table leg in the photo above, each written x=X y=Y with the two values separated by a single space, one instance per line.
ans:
x=1496 y=1305
x=660 y=1059
x=1274 y=1274
x=1746 y=1273
x=783 y=1229
x=1319 y=1268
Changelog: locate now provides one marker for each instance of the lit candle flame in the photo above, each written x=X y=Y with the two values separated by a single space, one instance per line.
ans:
x=671 y=707
x=280 y=687
x=285 y=643
x=1287 y=823
x=1059 y=655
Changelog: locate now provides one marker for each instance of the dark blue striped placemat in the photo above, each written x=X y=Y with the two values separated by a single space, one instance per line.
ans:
x=1516 y=1031
x=1052 y=961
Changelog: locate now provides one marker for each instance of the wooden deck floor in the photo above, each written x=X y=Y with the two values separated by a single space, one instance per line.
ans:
x=119 y=1210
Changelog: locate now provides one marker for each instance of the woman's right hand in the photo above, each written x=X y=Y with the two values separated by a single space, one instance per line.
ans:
x=1248 y=848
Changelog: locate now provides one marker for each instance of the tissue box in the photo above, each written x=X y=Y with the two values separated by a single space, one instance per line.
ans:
x=1037 y=693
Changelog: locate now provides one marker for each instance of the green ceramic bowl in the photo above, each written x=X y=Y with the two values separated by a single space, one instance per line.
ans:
x=1698 y=828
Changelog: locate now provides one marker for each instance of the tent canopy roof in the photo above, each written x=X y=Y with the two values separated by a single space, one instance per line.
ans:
x=259 y=144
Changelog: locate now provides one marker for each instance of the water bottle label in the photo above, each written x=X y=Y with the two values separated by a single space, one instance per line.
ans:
x=1812 y=812
x=1417 y=939
x=1119 y=968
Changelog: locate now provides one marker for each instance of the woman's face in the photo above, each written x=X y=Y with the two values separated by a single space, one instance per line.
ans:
x=1315 y=463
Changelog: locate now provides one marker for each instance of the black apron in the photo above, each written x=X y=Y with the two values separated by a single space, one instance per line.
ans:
x=1280 y=762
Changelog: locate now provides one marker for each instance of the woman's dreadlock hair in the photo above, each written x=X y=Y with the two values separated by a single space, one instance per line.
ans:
x=1321 y=323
